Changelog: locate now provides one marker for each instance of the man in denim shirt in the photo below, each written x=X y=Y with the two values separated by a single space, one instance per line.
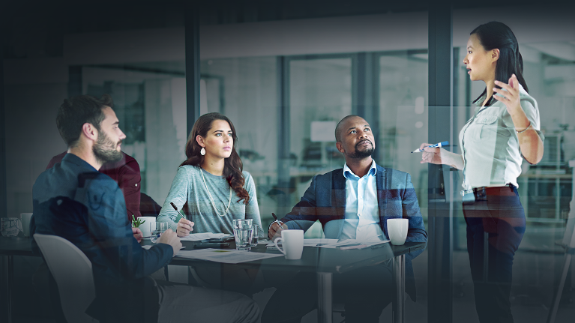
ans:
x=75 y=201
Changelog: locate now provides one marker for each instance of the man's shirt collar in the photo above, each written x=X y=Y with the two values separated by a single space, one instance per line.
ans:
x=348 y=174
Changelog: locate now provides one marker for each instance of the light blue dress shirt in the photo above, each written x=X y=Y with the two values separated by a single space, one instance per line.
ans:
x=361 y=210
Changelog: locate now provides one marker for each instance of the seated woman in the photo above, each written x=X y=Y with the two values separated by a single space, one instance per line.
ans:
x=211 y=182
x=216 y=191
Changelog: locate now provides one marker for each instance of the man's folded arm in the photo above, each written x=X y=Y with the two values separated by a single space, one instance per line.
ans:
x=107 y=221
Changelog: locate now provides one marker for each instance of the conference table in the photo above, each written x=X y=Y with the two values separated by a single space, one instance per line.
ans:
x=326 y=262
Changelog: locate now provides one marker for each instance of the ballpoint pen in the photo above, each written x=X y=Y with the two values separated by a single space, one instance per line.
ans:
x=437 y=145
x=180 y=215
x=277 y=221
x=280 y=223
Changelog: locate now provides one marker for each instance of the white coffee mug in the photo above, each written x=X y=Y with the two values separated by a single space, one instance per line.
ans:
x=148 y=226
x=292 y=242
x=397 y=230
x=25 y=219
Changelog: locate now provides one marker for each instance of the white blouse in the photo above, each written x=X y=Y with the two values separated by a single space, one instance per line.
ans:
x=490 y=147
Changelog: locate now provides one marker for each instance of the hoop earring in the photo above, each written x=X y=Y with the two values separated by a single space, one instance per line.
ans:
x=203 y=151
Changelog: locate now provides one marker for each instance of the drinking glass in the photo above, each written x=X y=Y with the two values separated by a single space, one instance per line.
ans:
x=243 y=233
x=256 y=235
x=10 y=226
x=160 y=228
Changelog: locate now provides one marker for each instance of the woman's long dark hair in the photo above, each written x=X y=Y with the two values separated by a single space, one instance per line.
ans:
x=498 y=35
x=232 y=166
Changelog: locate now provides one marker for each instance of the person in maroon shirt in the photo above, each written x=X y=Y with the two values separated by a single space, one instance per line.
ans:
x=126 y=173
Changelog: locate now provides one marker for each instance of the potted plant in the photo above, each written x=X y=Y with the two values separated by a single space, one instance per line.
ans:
x=137 y=222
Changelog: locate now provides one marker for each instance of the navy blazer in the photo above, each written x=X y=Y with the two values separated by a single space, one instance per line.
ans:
x=325 y=201
x=74 y=201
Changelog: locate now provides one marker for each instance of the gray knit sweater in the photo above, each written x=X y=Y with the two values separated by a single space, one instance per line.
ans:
x=188 y=186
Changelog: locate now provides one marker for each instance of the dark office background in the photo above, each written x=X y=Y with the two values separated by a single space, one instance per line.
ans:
x=278 y=69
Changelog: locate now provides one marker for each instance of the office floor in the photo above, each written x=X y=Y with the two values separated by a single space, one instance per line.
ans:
x=536 y=268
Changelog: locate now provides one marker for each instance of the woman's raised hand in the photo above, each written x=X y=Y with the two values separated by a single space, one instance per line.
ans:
x=509 y=94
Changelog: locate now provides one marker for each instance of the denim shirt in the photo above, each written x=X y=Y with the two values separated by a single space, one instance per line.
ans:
x=490 y=146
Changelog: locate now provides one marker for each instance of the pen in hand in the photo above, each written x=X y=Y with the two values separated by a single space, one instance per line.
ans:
x=280 y=223
x=180 y=215
x=437 y=145
x=276 y=220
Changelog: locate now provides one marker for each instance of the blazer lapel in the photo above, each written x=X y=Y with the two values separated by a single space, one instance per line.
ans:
x=338 y=190
x=382 y=197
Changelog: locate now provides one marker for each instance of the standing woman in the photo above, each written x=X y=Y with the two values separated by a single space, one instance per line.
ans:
x=503 y=132
x=211 y=182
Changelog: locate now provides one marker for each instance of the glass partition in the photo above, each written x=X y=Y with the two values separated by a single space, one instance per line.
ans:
x=319 y=95
x=245 y=90
x=151 y=107
x=403 y=111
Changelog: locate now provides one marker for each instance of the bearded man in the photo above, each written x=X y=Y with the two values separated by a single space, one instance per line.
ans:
x=75 y=201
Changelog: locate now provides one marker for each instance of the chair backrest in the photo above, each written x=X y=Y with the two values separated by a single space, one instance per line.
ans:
x=569 y=236
x=72 y=271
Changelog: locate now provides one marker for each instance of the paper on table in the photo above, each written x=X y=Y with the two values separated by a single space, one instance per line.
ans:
x=312 y=242
x=356 y=244
x=334 y=243
x=225 y=255
x=148 y=246
x=203 y=236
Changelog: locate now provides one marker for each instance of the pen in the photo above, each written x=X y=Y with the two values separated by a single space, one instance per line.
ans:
x=437 y=145
x=280 y=223
x=276 y=220
x=180 y=215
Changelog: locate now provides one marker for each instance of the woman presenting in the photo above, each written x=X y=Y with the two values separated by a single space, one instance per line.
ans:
x=503 y=132
x=211 y=182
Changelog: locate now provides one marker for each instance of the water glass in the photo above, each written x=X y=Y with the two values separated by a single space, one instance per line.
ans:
x=10 y=226
x=160 y=228
x=243 y=233
x=256 y=235
x=25 y=219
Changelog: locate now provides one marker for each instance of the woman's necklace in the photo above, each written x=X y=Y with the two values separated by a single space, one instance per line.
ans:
x=212 y=199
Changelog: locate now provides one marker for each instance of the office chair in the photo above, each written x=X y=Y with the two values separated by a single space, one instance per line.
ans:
x=149 y=207
x=72 y=271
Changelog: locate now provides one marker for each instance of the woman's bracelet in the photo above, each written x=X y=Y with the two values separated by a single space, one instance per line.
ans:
x=522 y=131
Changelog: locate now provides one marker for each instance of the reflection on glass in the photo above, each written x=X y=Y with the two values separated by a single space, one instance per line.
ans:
x=319 y=96
x=151 y=107
x=403 y=115
x=244 y=89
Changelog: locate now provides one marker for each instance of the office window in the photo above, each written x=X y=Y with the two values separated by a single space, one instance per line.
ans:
x=150 y=102
x=403 y=114
x=245 y=90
